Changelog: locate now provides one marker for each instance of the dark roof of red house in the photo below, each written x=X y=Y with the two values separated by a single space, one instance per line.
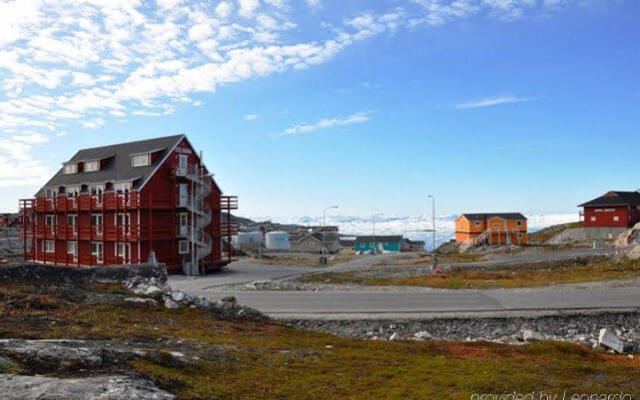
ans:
x=118 y=166
x=483 y=216
x=615 y=198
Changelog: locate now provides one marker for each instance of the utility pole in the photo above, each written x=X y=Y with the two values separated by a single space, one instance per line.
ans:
x=433 y=225
x=323 y=258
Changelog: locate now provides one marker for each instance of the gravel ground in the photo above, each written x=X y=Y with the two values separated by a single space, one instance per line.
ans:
x=578 y=328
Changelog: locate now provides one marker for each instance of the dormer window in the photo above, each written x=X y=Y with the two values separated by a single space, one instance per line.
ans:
x=71 y=169
x=141 y=160
x=92 y=166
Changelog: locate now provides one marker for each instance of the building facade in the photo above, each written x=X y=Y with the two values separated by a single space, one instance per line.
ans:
x=116 y=204
x=391 y=243
x=614 y=209
x=496 y=228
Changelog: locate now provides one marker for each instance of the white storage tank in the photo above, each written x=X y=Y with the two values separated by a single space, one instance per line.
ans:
x=277 y=241
x=247 y=239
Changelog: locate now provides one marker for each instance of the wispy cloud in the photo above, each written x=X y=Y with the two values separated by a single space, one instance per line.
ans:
x=356 y=118
x=494 y=101
x=251 y=117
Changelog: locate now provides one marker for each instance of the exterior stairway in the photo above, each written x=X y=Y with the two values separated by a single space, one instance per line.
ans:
x=201 y=217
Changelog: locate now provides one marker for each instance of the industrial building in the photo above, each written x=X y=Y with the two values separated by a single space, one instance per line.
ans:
x=117 y=204
x=492 y=228
x=369 y=243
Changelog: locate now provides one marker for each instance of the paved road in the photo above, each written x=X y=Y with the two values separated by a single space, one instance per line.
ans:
x=304 y=304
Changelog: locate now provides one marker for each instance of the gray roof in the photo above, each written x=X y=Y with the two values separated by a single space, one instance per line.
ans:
x=483 y=216
x=118 y=167
x=379 y=238
x=615 y=198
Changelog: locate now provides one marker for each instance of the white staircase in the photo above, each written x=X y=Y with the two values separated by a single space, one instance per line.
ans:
x=200 y=209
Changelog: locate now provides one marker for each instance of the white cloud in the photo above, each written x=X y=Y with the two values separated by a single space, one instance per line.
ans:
x=94 y=123
x=32 y=138
x=246 y=8
x=251 y=117
x=223 y=10
x=326 y=123
x=494 y=101
x=313 y=3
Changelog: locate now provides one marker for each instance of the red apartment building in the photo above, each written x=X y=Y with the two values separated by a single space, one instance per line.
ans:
x=115 y=204
x=612 y=210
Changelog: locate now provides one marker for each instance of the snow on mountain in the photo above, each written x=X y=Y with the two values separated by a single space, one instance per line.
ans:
x=414 y=227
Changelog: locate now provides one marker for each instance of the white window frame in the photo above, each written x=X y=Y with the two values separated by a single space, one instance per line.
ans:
x=122 y=187
x=98 y=252
x=183 y=161
x=92 y=166
x=70 y=169
x=49 y=219
x=49 y=246
x=49 y=193
x=119 y=246
x=98 y=189
x=72 y=248
x=184 y=243
x=141 y=160
x=98 y=219
x=72 y=191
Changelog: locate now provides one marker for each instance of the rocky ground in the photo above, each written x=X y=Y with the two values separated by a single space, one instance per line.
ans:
x=94 y=369
x=577 y=328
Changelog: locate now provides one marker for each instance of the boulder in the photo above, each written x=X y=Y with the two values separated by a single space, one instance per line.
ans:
x=634 y=252
x=141 y=300
x=177 y=296
x=529 y=335
x=422 y=335
x=610 y=340
x=114 y=387
x=168 y=303
x=394 y=336
x=152 y=291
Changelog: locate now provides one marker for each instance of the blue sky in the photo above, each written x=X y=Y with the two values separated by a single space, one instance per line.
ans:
x=491 y=105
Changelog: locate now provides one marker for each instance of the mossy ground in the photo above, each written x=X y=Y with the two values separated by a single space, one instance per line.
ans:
x=502 y=277
x=251 y=360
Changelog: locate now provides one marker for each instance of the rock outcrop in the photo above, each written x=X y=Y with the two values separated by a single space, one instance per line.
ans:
x=115 y=387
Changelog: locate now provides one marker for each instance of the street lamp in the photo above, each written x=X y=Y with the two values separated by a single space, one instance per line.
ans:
x=433 y=222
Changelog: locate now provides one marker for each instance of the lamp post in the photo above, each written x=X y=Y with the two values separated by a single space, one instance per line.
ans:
x=433 y=225
x=322 y=232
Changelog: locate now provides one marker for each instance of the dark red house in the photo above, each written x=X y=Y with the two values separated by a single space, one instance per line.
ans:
x=115 y=204
x=612 y=210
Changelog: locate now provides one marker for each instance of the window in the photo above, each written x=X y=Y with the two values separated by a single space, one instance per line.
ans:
x=120 y=250
x=496 y=225
x=519 y=223
x=184 y=219
x=477 y=223
x=142 y=160
x=183 y=160
x=49 y=246
x=70 y=169
x=50 y=193
x=519 y=235
x=616 y=218
x=96 y=190
x=72 y=248
x=49 y=220
x=122 y=219
x=96 y=250
x=73 y=191
x=593 y=219
x=72 y=220
x=96 y=220
x=123 y=187
x=183 y=247
x=92 y=166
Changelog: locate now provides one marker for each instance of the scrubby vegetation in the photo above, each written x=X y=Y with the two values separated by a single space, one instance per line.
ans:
x=536 y=274
x=251 y=360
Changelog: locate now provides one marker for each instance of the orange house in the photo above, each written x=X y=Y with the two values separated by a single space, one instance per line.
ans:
x=498 y=228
